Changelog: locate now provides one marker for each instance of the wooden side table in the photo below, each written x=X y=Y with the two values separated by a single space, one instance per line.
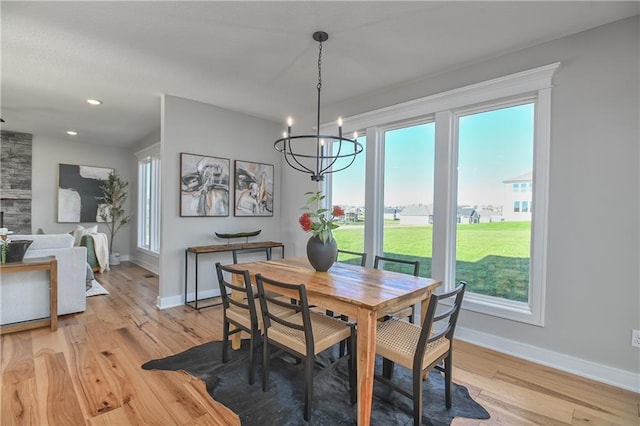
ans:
x=36 y=264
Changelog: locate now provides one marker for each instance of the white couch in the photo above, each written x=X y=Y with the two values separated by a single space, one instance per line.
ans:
x=25 y=296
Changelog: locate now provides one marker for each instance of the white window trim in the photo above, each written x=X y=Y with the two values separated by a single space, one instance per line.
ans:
x=536 y=84
x=152 y=152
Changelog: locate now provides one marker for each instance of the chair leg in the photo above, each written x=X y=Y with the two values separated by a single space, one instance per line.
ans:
x=308 y=381
x=225 y=341
x=448 y=366
x=417 y=397
x=265 y=364
x=252 y=349
x=387 y=368
x=353 y=374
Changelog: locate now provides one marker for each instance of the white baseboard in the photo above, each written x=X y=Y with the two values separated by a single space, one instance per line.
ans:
x=173 y=301
x=146 y=265
x=602 y=373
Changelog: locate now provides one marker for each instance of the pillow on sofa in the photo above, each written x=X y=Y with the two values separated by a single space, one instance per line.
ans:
x=80 y=231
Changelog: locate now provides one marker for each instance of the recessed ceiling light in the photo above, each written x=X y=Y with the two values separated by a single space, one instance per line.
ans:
x=72 y=132
x=94 y=102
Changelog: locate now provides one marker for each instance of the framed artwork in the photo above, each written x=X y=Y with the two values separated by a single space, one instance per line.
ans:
x=204 y=185
x=79 y=192
x=253 y=189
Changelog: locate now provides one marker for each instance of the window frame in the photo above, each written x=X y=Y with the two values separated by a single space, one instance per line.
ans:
x=526 y=86
x=150 y=156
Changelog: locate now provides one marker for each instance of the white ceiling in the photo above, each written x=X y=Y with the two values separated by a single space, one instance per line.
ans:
x=254 y=57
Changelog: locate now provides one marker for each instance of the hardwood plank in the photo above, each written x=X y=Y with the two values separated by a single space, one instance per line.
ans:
x=19 y=392
x=62 y=400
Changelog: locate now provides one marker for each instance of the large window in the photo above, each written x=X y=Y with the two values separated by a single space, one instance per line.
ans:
x=149 y=200
x=493 y=250
x=451 y=180
x=408 y=194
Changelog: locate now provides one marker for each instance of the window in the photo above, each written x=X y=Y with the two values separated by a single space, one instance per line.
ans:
x=495 y=145
x=479 y=151
x=348 y=192
x=149 y=200
x=408 y=194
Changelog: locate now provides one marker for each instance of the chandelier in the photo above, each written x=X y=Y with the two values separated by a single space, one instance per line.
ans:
x=298 y=149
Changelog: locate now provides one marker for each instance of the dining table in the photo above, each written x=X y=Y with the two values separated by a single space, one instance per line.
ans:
x=363 y=294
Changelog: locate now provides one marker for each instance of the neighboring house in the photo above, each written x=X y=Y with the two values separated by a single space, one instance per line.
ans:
x=518 y=200
x=353 y=214
x=417 y=215
x=489 y=215
x=391 y=213
x=467 y=215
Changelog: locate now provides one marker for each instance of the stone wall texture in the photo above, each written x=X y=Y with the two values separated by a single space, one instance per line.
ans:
x=15 y=181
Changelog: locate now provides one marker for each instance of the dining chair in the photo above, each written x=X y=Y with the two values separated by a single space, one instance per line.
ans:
x=421 y=348
x=399 y=265
x=352 y=257
x=241 y=311
x=302 y=333
x=265 y=250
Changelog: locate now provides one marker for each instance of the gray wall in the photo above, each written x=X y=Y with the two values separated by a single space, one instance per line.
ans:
x=593 y=290
x=47 y=154
x=196 y=128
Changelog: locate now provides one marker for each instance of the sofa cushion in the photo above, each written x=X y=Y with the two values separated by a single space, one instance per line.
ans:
x=47 y=241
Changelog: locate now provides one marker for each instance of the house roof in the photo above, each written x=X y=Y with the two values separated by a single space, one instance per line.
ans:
x=527 y=177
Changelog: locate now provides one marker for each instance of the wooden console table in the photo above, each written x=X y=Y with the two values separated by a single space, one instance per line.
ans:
x=36 y=264
x=219 y=248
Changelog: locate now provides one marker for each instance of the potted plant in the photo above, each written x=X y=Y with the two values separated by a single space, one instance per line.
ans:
x=114 y=192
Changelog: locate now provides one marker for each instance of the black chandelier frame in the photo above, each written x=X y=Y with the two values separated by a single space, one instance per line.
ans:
x=295 y=147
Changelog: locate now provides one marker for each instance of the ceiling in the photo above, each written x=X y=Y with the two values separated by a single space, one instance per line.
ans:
x=253 y=57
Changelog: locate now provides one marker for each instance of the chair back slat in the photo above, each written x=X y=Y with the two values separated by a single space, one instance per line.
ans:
x=266 y=250
x=381 y=261
x=356 y=255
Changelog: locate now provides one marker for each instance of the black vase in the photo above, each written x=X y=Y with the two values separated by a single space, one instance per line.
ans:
x=322 y=255
x=17 y=249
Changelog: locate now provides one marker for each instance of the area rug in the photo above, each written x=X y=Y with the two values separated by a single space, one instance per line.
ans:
x=96 y=289
x=283 y=403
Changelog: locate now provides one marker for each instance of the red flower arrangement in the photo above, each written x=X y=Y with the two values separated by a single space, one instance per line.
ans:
x=316 y=221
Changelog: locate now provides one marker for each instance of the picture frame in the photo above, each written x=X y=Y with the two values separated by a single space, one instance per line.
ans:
x=254 y=186
x=79 y=192
x=204 y=185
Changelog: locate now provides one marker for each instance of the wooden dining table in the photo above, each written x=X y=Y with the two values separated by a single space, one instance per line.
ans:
x=364 y=294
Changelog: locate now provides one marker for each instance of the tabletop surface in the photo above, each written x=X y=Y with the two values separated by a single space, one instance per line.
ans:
x=370 y=288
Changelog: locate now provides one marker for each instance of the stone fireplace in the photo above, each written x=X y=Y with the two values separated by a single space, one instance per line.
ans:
x=15 y=181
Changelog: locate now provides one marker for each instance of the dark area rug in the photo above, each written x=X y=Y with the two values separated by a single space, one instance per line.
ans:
x=283 y=403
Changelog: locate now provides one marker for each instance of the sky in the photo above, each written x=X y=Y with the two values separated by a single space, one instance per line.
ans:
x=493 y=146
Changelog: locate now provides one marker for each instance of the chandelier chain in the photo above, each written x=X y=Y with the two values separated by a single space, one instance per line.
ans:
x=320 y=67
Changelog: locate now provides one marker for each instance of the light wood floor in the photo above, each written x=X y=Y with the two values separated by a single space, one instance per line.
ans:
x=88 y=372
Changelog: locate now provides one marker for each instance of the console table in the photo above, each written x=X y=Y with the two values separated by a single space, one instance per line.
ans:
x=219 y=248
x=36 y=264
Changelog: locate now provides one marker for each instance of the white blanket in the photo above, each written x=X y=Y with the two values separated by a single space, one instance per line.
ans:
x=101 y=247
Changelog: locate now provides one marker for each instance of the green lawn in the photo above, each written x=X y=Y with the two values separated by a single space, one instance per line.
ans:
x=492 y=257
